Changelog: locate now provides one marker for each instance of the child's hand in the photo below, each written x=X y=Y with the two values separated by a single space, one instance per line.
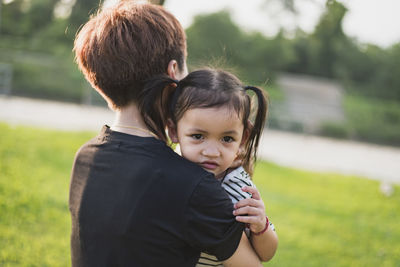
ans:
x=251 y=210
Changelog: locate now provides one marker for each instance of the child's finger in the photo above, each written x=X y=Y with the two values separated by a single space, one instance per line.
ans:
x=256 y=224
x=254 y=192
x=248 y=202
x=247 y=219
x=250 y=211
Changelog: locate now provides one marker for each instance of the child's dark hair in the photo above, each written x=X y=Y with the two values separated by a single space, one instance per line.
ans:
x=205 y=88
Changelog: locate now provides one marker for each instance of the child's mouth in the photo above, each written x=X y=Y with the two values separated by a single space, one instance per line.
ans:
x=210 y=165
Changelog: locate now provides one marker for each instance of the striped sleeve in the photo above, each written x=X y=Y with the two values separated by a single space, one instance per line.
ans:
x=208 y=260
x=233 y=183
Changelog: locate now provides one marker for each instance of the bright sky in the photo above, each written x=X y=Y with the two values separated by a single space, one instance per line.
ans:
x=369 y=21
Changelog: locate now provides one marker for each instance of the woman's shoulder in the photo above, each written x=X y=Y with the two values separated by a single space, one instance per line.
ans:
x=180 y=169
x=177 y=163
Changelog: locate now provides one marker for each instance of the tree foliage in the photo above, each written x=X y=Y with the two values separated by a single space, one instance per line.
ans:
x=329 y=37
x=216 y=38
x=38 y=46
x=81 y=11
x=370 y=70
x=32 y=16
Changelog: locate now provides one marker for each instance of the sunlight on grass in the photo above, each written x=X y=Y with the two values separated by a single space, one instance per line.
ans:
x=321 y=219
x=34 y=180
x=329 y=219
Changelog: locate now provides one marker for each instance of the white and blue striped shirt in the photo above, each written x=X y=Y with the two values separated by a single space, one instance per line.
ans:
x=232 y=183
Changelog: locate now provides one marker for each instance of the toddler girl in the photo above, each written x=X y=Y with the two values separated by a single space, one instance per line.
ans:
x=209 y=116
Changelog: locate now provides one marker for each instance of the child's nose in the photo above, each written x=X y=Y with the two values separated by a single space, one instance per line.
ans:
x=211 y=151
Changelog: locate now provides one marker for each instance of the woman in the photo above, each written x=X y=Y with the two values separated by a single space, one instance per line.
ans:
x=133 y=201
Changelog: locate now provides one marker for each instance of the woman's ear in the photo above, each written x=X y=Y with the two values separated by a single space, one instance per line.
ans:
x=172 y=69
x=172 y=131
x=174 y=72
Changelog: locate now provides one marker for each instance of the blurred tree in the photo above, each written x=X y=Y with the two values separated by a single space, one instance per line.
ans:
x=330 y=23
x=289 y=5
x=261 y=57
x=32 y=16
x=284 y=5
x=213 y=36
x=40 y=14
x=391 y=75
x=256 y=58
x=81 y=11
x=329 y=36
x=369 y=69
x=10 y=13
x=303 y=52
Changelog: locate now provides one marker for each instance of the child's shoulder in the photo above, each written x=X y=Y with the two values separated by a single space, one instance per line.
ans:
x=233 y=183
x=238 y=175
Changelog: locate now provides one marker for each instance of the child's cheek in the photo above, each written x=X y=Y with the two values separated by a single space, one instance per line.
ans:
x=189 y=152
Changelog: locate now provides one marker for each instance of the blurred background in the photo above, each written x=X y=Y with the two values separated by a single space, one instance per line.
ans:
x=332 y=72
x=331 y=68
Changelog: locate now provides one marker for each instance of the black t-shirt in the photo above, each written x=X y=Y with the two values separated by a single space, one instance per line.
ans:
x=135 y=202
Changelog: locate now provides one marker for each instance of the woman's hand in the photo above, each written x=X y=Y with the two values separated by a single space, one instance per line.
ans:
x=251 y=210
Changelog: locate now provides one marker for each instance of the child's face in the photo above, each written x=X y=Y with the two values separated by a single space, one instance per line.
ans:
x=210 y=137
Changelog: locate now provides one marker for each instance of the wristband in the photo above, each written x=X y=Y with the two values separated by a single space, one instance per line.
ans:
x=265 y=228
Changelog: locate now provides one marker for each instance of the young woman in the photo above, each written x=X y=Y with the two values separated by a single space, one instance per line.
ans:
x=209 y=116
x=118 y=174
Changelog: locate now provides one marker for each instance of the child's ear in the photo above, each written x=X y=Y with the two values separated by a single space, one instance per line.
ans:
x=245 y=137
x=172 y=132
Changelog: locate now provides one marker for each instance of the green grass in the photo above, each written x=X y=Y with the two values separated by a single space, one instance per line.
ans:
x=34 y=178
x=330 y=219
x=321 y=219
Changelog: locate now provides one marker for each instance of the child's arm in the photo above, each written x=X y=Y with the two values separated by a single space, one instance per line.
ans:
x=243 y=256
x=252 y=212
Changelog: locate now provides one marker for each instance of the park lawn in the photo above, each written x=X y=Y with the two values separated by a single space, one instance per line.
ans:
x=327 y=219
x=34 y=179
x=321 y=219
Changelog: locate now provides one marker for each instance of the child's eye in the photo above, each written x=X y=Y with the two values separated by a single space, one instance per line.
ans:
x=227 y=139
x=197 y=136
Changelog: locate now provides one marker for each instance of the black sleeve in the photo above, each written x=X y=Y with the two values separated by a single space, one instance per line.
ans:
x=211 y=226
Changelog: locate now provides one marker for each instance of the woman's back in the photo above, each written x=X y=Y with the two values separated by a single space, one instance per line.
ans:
x=141 y=204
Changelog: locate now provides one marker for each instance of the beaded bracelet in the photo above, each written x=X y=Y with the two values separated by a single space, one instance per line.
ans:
x=265 y=228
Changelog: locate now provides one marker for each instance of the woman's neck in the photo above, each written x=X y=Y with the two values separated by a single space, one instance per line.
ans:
x=129 y=120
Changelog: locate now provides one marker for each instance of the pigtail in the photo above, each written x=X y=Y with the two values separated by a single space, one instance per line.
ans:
x=153 y=104
x=255 y=130
x=173 y=101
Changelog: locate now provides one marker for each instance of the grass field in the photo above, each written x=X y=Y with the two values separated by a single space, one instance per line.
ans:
x=321 y=219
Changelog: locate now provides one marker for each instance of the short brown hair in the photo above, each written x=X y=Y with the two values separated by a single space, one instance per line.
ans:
x=124 y=45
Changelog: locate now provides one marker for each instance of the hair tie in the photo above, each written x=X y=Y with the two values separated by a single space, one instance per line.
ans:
x=174 y=100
